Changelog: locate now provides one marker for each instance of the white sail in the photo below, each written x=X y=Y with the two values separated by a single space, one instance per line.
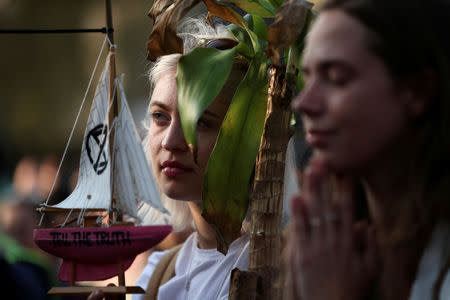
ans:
x=93 y=189
x=133 y=179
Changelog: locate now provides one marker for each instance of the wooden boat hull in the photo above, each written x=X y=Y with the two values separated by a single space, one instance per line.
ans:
x=94 y=253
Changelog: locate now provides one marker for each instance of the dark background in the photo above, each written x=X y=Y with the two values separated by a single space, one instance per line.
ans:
x=43 y=77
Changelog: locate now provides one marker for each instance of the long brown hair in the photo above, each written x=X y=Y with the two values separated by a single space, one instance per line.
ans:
x=411 y=37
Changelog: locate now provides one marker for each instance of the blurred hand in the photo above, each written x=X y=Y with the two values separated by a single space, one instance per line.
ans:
x=100 y=295
x=96 y=295
x=330 y=256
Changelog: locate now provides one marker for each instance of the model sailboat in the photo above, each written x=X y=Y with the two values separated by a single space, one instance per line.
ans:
x=113 y=177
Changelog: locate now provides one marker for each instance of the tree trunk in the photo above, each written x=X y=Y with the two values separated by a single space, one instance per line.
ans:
x=266 y=202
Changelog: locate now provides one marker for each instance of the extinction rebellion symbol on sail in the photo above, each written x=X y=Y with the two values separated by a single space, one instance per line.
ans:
x=95 y=146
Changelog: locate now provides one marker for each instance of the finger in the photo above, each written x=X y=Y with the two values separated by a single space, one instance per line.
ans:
x=293 y=269
x=344 y=204
x=96 y=295
x=114 y=296
x=300 y=218
x=330 y=216
x=313 y=194
x=360 y=236
x=371 y=256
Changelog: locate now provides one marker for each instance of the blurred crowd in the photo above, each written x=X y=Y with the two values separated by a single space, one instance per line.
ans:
x=33 y=178
x=26 y=271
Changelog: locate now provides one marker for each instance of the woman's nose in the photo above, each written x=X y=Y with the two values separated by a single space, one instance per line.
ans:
x=174 y=139
x=309 y=101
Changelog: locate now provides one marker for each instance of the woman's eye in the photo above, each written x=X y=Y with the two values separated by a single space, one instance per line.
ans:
x=337 y=77
x=203 y=123
x=304 y=75
x=159 y=117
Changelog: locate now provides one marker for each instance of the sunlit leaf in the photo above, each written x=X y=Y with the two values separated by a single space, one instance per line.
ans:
x=245 y=47
x=166 y=14
x=289 y=23
x=262 y=8
x=256 y=32
x=224 y=12
x=259 y=27
x=245 y=50
x=227 y=179
x=227 y=13
x=201 y=75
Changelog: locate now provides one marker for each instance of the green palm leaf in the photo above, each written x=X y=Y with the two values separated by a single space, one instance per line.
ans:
x=253 y=38
x=227 y=179
x=201 y=75
x=262 y=8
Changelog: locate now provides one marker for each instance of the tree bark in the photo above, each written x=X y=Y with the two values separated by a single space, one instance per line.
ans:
x=244 y=285
x=266 y=202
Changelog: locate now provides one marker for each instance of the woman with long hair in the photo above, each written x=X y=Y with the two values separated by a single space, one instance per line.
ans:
x=376 y=111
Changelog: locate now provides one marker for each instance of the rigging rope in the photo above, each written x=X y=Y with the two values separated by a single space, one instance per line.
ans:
x=80 y=219
x=76 y=121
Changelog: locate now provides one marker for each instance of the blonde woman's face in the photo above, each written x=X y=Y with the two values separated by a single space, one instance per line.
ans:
x=178 y=176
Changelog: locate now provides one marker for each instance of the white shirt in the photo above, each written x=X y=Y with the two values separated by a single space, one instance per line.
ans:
x=431 y=264
x=200 y=274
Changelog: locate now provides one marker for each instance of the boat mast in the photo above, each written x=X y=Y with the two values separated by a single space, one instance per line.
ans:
x=115 y=107
x=112 y=114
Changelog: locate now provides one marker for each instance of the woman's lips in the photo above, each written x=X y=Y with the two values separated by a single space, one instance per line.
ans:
x=174 y=168
x=318 y=138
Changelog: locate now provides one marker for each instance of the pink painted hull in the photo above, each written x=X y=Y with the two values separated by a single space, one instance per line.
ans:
x=96 y=251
